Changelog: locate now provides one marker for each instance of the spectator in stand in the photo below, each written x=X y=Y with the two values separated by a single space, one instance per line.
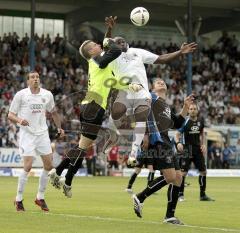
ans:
x=217 y=156
x=227 y=152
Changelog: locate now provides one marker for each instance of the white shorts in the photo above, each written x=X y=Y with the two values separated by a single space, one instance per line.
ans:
x=34 y=145
x=134 y=99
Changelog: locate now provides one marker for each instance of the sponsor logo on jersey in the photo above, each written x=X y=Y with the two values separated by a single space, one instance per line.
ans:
x=36 y=106
x=194 y=129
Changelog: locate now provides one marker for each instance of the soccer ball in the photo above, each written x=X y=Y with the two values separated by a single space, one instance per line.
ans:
x=139 y=16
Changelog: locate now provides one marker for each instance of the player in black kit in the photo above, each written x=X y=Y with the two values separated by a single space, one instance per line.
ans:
x=161 y=119
x=190 y=142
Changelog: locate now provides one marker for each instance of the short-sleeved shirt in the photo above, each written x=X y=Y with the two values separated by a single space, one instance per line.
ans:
x=191 y=131
x=130 y=64
x=33 y=108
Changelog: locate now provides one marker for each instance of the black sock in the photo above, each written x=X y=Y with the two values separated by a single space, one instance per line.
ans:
x=181 y=190
x=72 y=170
x=153 y=187
x=172 y=194
x=150 y=177
x=63 y=165
x=202 y=182
x=132 y=179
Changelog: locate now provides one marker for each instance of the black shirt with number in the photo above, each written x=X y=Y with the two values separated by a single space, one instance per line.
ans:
x=191 y=131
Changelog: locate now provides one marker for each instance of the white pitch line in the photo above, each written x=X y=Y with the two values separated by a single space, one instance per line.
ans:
x=134 y=221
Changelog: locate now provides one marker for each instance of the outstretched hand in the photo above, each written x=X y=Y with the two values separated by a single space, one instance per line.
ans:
x=188 y=48
x=110 y=21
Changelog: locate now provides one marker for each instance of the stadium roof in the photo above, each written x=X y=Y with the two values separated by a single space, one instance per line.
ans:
x=216 y=14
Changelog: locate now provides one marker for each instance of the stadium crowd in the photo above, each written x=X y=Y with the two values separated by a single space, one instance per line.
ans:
x=216 y=79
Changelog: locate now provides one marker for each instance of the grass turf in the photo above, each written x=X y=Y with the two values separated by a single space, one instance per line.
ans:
x=100 y=205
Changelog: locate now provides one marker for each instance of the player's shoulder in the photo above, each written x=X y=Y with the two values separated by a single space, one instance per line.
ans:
x=187 y=121
x=136 y=50
x=46 y=92
x=22 y=92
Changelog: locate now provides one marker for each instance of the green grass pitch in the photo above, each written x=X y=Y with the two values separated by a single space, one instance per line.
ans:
x=100 y=205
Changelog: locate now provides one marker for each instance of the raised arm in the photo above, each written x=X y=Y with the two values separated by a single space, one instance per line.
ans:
x=110 y=23
x=179 y=119
x=112 y=53
x=185 y=49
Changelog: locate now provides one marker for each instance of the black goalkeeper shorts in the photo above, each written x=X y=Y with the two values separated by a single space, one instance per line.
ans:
x=91 y=118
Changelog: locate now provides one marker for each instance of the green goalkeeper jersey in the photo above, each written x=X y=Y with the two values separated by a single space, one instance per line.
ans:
x=100 y=81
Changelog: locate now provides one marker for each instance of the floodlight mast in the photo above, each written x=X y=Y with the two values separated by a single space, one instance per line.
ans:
x=32 y=42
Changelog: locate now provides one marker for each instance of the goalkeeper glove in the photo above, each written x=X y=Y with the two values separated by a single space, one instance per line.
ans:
x=135 y=87
x=107 y=42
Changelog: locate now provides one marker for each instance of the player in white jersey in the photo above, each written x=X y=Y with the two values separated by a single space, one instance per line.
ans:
x=130 y=67
x=28 y=110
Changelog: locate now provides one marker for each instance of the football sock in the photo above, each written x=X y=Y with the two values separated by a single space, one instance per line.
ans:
x=150 y=177
x=172 y=194
x=43 y=181
x=63 y=165
x=132 y=179
x=138 y=132
x=72 y=170
x=22 y=180
x=153 y=187
x=202 y=182
x=181 y=191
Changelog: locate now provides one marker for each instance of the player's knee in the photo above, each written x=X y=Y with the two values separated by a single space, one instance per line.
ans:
x=203 y=173
x=118 y=111
x=178 y=179
x=170 y=178
x=138 y=170
x=141 y=113
x=47 y=167
x=28 y=167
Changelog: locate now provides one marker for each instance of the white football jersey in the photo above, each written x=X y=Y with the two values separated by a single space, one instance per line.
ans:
x=130 y=64
x=33 y=107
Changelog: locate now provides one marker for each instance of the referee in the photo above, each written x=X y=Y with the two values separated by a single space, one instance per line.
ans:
x=192 y=149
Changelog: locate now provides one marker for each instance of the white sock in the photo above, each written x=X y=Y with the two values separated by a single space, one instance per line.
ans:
x=115 y=124
x=139 y=132
x=22 y=180
x=43 y=181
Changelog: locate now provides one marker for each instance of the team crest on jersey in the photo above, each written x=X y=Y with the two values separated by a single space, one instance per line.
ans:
x=167 y=112
x=43 y=100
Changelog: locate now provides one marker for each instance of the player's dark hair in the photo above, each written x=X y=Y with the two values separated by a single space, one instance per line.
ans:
x=31 y=72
